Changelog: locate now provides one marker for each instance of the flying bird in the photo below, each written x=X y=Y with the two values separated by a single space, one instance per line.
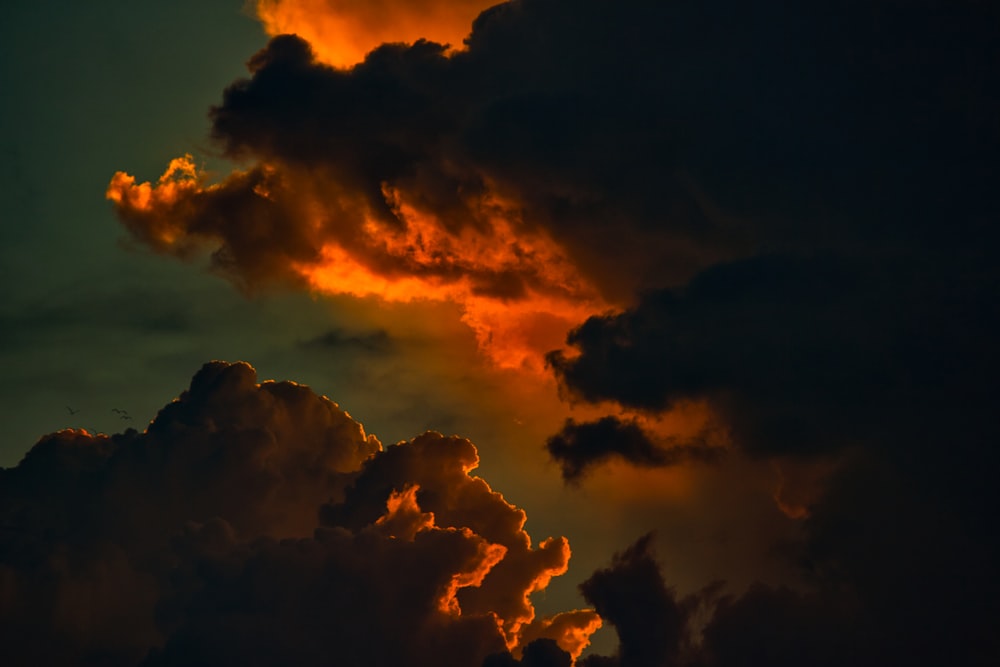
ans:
x=71 y=410
x=123 y=414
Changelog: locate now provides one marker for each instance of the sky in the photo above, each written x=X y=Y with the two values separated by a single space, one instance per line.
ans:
x=546 y=333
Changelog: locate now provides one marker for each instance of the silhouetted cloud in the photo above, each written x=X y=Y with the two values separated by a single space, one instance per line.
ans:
x=652 y=625
x=339 y=339
x=259 y=523
x=539 y=653
x=892 y=579
x=578 y=446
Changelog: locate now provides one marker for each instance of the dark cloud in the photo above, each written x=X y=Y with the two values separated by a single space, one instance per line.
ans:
x=838 y=621
x=650 y=139
x=259 y=523
x=890 y=366
x=912 y=557
x=779 y=627
x=539 y=653
x=376 y=342
x=790 y=350
x=579 y=446
x=808 y=356
x=652 y=625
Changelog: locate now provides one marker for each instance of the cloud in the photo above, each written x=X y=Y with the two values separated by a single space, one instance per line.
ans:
x=375 y=342
x=779 y=346
x=260 y=522
x=344 y=32
x=631 y=595
x=892 y=575
x=579 y=446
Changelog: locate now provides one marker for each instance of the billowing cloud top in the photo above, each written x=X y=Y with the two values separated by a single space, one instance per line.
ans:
x=259 y=523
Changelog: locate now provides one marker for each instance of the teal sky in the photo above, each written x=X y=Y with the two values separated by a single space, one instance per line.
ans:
x=87 y=322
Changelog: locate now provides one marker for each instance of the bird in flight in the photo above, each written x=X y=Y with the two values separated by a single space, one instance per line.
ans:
x=71 y=410
x=123 y=414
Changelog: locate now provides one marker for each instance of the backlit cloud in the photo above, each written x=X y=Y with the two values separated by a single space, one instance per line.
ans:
x=260 y=521
x=344 y=31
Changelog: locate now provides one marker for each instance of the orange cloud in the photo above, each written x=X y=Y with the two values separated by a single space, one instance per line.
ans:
x=519 y=292
x=343 y=31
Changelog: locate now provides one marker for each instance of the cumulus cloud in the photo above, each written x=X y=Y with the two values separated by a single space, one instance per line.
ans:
x=259 y=522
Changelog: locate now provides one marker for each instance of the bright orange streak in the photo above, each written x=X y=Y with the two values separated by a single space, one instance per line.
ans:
x=571 y=630
x=519 y=292
x=427 y=262
x=513 y=334
x=343 y=31
x=403 y=518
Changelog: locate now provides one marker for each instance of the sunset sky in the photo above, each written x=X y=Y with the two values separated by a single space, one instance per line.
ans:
x=683 y=316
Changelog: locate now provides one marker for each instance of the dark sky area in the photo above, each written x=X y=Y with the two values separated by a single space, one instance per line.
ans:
x=435 y=333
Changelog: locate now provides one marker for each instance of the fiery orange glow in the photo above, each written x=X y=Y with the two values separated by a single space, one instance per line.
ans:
x=403 y=518
x=343 y=31
x=518 y=291
x=571 y=630
x=513 y=334
x=179 y=181
x=487 y=556
x=545 y=296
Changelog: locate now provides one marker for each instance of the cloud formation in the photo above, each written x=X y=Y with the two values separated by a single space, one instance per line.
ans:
x=782 y=211
x=258 y=522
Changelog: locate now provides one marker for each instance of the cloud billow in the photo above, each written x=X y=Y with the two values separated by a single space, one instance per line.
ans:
x=259 y=523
